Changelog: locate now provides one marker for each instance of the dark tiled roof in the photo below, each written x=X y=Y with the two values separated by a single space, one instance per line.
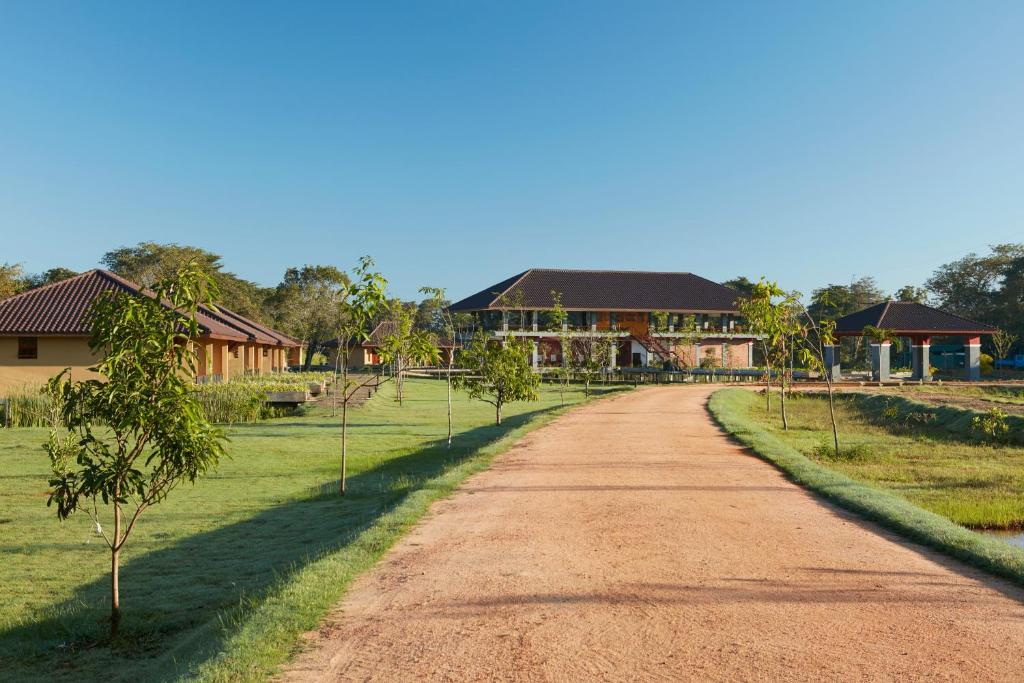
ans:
x=62 y=308
x=906 y=316
x=610 y=290
x=250 y=328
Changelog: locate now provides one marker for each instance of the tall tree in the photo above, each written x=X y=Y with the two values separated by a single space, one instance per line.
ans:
x=131 y=438
x=969 y=286
x=12 y=279
x=149 y=262
x=1009 y=305
x=307 y=304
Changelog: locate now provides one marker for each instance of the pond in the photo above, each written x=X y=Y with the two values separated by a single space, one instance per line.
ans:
x=1015 y=537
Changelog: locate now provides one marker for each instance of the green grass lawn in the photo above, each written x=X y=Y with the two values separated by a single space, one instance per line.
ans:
x=920 y=458
x=217 y=581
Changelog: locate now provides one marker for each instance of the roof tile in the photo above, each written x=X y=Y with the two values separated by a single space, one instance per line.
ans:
x=614 y=290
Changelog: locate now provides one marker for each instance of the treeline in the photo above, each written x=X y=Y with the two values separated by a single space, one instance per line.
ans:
x=304 y=304
x=988 y=288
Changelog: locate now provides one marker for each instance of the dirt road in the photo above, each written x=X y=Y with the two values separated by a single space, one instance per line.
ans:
x=630 y=540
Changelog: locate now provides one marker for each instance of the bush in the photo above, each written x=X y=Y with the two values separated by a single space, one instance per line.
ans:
x=992 y=426
x=986 y=364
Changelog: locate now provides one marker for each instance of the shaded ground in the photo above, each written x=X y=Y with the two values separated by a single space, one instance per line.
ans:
x=967 y=402
x=964 y=396
x=631 y=540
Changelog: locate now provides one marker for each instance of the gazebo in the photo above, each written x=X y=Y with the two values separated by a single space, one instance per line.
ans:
x=918 y=322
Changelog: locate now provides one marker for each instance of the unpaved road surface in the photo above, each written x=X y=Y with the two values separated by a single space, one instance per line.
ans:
x=630 y=540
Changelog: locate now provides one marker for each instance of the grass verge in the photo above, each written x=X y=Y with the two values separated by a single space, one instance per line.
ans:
x=220 y=580
x=730 y=408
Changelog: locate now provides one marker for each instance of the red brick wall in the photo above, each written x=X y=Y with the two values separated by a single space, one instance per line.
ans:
x=737 y=354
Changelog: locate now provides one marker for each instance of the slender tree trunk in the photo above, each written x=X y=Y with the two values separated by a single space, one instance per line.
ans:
x=337 y=363
x=344 y=428
x=768 y=385
x=344 y=443
x=398 y=380
x=115 y=563
x=832 y=413
x=782 y=390
x=450 y=401
x=497 y=413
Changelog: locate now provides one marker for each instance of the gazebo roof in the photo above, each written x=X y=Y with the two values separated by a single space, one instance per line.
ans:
x=907 y=317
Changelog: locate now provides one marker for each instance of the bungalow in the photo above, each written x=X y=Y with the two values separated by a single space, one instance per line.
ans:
x=655 y=318
x=366 y=354
x=44 y=330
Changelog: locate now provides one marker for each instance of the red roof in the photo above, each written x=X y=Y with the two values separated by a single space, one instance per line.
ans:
x=61 y=308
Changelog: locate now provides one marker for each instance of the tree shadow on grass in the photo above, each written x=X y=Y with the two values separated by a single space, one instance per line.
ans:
x=183 y=602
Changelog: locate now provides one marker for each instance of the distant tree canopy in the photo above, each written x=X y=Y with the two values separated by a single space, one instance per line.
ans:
x=149 y=262
x=430 y=315
x=12 y=279
x=988 y=288
x=835 y=301
x=742 y=284
x=307 y=305
x=913 y=294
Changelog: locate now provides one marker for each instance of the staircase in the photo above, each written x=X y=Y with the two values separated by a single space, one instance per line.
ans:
x=654 y=345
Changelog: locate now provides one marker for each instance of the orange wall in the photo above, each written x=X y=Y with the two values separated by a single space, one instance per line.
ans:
x=55 y=354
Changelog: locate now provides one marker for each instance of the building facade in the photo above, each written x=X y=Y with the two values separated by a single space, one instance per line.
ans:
x=45 y=330
x=654 y=319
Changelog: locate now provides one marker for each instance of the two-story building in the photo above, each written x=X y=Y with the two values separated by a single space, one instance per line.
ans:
x=654 y=318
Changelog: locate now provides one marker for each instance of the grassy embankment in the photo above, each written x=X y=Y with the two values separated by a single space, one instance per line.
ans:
x=1009 y=397
x=220 y=580
x=914 y=468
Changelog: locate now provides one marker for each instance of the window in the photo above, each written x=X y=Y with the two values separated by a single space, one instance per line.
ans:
x=28 y=348
x=236 y=352
x=265 y=352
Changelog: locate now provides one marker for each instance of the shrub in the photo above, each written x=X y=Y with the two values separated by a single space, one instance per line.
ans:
x=992 y=426
x=856 y=452
x=986 y=364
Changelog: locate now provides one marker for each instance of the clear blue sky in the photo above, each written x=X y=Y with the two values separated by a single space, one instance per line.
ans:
x=461 y=142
